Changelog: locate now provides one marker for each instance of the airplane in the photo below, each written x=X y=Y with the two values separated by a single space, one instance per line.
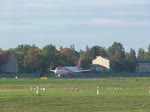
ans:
x=62 y=71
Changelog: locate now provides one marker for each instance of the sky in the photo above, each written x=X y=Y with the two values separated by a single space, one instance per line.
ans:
x=78 y=22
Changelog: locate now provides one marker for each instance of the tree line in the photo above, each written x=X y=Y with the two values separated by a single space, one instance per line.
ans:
x=32 y=59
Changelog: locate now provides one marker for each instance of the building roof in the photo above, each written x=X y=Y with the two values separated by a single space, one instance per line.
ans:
x=143 y=60
x=102 y=62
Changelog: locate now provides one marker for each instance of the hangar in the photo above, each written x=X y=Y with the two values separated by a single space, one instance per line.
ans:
x=101 y=64
x=8 y=63
x=143 y=66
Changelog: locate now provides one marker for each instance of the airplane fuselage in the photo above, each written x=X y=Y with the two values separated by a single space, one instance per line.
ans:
x=65 y=70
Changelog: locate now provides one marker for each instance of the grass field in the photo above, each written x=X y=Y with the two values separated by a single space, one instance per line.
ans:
x=75 y=95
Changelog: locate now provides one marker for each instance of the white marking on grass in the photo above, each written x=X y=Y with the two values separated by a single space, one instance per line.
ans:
x=72 y=89
x=16 y=77
x=115 y=88
x=77 y=89
x=142 y=107
x=97 y=90
x=37 y=90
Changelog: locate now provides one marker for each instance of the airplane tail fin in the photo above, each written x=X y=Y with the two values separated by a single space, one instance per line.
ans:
x=51 y=70
x=79 y=64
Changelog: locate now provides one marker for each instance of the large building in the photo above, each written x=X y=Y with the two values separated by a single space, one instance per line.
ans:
x=101 y=64
x=143 y=66
x=8 y=63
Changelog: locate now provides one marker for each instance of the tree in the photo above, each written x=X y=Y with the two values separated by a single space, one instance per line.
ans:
x=66 y=57
x=49 y=55
x=149 y=48
x=98 y=51
x=147 y=54
x=115 y=49
x=72 y=47
x=131 y=61
x=33 y=61
x=86 y=57
x=24 y=48
x=117 y=53
x=141 y=53
x=1 y=50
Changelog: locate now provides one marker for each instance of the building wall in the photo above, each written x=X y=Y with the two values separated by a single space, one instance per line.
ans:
x=102 y=62
x=11 y=66
x=143 y=67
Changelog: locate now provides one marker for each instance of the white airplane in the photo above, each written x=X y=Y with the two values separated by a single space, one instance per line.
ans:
x=62 y=71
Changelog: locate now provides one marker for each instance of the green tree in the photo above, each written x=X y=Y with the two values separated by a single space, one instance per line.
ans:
x=117 y=53
x=131 y=61
x=147 y=54
x=141 y=53
x=86 y=57
x=1 y=50
x=48 y=55
x=98 y=51
x=72 y=47
x=149 y=48
x=24 y=48
x=33 y=61
x=115 y=49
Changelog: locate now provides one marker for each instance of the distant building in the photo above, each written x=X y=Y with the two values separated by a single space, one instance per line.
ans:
x=143 y=66
x=8 y=63
x=101 y=64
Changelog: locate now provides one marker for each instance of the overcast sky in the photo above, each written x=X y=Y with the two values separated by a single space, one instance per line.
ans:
x=78 y=22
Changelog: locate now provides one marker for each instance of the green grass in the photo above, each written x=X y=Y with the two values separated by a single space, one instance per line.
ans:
x=16 y=95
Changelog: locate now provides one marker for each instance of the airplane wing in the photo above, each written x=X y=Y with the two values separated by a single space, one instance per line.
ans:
x=83 y=71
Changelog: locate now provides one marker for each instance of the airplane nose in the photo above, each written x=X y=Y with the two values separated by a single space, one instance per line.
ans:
x=55 y=71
